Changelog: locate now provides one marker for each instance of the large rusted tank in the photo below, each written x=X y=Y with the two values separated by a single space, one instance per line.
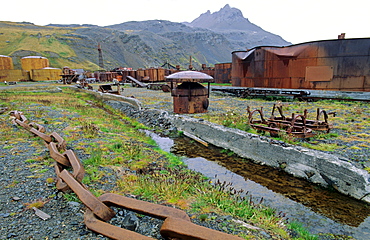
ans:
x=338 y=65
x=46 y=74
x=34 y=62
x=223 y=73
x=140 y=75
x=104 y=76
x=190 y=96
x=160 y=74
x=14 y=75
x=132 y=73
x=151 y=74
x=6 y=63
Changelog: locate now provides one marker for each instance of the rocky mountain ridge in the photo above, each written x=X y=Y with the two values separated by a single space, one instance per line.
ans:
x=209 y=39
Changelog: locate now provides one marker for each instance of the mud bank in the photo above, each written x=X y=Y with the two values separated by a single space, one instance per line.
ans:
x=321 y=168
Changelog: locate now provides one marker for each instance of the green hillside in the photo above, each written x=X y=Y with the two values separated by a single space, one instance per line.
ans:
x=25 y=39
x=75 y=46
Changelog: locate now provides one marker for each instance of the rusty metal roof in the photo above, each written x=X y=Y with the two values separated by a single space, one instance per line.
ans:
x=190 y=76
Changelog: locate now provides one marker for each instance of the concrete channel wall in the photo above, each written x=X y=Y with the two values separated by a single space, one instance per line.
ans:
x=315 y=166
x=325 y=169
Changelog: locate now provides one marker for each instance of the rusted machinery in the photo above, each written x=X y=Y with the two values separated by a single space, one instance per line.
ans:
x=69 y=75
x=190 y=96
x=107 y=88
x=176 y=223
x=297 y=125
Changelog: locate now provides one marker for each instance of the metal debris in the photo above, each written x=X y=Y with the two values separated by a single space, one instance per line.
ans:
x=41 y=214
x=297 y=125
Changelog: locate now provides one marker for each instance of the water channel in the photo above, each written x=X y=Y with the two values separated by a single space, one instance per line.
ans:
x=320 y=210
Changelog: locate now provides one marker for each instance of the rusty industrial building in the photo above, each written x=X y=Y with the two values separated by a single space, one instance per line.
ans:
x=337 y=65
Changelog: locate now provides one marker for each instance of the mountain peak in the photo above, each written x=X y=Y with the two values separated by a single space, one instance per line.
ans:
x=227 y=6
x=226 y=19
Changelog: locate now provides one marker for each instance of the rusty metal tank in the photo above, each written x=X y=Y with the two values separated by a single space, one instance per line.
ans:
x=6 y=63
x=337 y=65
x=140 y=74
x=14 y=75
x=151 y=73
x=190 y=96
x=46 y=74
x=34 y=62
x=160 y=74
x=223 y=73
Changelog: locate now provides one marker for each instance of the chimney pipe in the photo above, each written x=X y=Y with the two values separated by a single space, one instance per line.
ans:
x=341 y=36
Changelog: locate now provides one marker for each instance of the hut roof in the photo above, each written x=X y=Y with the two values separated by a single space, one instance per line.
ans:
x=189 y=76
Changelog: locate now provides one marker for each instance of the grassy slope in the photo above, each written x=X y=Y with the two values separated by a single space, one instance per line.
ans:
x=15 y=37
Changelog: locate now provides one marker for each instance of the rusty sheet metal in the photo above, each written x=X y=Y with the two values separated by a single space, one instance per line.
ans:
x=223 y=73
x=336 y=65
x=189 y=76
x=190 y=97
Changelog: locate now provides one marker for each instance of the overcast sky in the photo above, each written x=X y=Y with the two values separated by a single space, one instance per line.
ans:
x=296 y=21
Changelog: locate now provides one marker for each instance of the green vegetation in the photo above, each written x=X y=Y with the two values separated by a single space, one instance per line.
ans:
x=350 y=119
x=299 y=229
x=116 y=145
x=48 y=42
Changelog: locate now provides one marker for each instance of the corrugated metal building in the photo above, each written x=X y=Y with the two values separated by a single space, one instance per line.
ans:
x=340 y=64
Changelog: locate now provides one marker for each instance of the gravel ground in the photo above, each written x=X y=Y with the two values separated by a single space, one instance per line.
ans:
x=24 y=172
x=22 y=183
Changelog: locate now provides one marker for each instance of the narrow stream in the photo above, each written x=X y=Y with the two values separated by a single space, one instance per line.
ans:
x=320 y=210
